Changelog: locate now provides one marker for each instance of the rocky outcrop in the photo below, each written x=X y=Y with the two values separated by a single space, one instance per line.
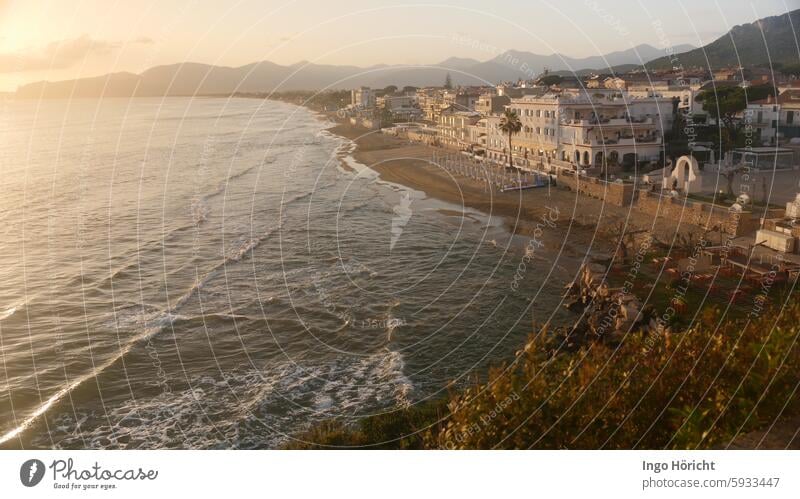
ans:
x=607 y=313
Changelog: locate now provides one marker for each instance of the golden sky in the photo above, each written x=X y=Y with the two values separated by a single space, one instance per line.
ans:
x=63 y=39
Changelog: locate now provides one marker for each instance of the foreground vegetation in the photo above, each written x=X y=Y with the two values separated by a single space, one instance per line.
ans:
x=697 y=388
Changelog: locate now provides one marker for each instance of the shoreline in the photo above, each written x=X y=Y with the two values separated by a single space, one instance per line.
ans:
x=588 y=221
x=583 y=222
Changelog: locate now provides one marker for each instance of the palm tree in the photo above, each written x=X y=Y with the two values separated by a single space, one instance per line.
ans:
x=511 y=125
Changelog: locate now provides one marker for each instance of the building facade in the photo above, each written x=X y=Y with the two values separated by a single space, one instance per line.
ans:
x=362 y=98
x=598 y=131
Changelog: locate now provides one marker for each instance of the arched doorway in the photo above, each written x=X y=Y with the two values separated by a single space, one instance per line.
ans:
x=598 y=159
x=613 y=158
x=629 y=160
x=586 y=159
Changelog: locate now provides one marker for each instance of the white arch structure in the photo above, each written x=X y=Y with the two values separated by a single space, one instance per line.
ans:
x=686 y=175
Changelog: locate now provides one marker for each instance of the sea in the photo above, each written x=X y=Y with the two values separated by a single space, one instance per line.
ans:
x=201 y=273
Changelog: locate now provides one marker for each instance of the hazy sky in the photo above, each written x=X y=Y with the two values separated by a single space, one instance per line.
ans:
x=61 y=39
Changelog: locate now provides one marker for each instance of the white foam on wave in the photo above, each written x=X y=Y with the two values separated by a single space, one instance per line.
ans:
x=243 y=409
x=200 y=209
x=153 y=323
x=5 y=314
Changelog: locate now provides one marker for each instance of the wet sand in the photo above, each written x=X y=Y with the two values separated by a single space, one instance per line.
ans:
x=587 y=221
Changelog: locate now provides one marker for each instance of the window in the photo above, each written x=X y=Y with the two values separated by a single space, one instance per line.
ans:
x=538 y=130
x=789 y=117
x=538 y=113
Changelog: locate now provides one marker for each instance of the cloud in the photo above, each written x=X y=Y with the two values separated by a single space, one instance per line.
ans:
x=60 y=54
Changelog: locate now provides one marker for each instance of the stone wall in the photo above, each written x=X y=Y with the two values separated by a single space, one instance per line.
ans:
x=700 y=214
x=616 y=193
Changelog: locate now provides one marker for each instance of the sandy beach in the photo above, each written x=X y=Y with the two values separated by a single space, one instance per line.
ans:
x=585 y=220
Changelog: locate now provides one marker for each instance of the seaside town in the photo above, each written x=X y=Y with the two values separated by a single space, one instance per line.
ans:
x=381 y=226
x=712 y=156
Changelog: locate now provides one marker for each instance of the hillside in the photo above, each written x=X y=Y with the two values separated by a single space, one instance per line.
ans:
x=772 y=39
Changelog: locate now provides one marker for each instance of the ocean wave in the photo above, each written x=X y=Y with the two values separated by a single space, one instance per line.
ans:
x=241 y=409
x=10 y=311
x=152 y=324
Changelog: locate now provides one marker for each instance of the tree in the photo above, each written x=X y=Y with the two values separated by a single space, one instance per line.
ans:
x=791 y=69
x=730 y=174
x=387 y=118
x=390 y=90
x=549 y=80
x=511 y=125
x=725 y=103
x=448 y=82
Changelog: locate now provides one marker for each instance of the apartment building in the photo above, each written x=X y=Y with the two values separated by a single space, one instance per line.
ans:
x=604 y=129
x=362 y=98
x=453 y=127
x=462 y=100
x=489 y=104
x=770 y=120
x=402 y=107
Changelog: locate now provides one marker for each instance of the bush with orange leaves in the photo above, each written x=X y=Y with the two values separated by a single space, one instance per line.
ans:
x=697 y=388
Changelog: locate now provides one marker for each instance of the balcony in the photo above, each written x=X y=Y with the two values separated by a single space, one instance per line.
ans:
x=622 y=141
x=627 y=121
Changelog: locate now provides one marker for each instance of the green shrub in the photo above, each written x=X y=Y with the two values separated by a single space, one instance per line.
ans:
x=698 y=388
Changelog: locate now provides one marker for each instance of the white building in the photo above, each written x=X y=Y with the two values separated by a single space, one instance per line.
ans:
x=607 y=128
x=454 y=127
x=362 y=98
x=770 y=119
x=402 y=107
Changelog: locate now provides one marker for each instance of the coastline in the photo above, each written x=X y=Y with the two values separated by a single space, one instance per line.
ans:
x=591 y=223
x=583 y=222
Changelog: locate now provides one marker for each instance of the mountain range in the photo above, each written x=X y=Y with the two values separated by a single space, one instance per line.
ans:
x=265 y=76
x=743 y=44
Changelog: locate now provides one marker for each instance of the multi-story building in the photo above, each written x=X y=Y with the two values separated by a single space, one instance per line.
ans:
x=489 y=104
x=540 y=119
x=362 y=98
x=453 y=127
x=495 y=142
x=431 y=102
x=460 y=99
x=402 y=107
x=770 y=120
x=477 y=136
x=600 y=130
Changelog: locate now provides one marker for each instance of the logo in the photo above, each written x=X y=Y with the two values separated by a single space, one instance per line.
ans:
x=402 y=214
x=31 y=472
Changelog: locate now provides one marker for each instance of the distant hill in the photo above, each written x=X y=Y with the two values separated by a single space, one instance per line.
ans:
x=770 y=39
x=621 y=69
x=265 y=76
x=514 y=64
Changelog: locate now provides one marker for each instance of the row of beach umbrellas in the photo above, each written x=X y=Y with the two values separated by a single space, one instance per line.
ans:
x=490 y=174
